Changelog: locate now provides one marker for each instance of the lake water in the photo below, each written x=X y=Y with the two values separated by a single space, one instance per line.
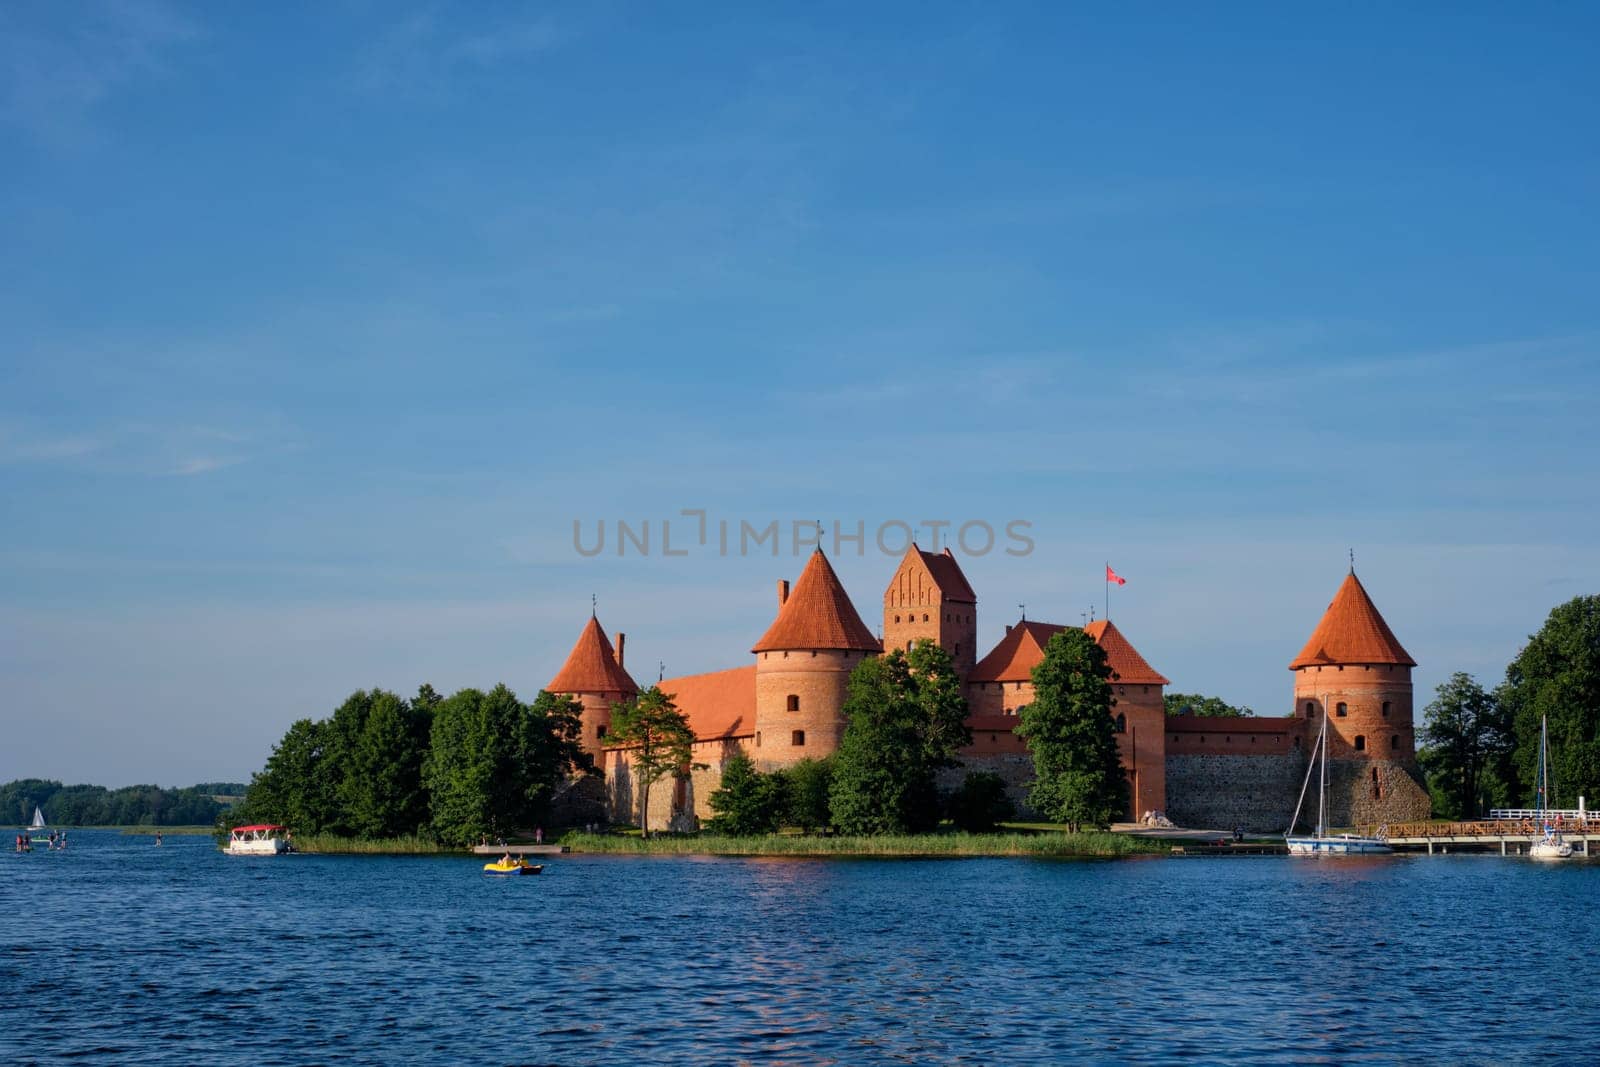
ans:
x=117 y=951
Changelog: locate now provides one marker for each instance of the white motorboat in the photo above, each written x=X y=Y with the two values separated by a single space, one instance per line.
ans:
x=1323 y=843
x=263 y=839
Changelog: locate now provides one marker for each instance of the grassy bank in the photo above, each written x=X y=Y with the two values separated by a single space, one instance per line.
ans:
x=1093 y=843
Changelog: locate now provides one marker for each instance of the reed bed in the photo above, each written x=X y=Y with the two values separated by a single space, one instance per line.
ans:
x=333 y=844
x=1092 y=843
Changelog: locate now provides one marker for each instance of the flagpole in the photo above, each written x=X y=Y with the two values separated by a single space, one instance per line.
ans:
x=1108 y=590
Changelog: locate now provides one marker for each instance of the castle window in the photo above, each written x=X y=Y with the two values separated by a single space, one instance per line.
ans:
x=600 y=731
x=1394 y=742
x=794 y=701
x=947 y=616
x=758 y=738
x=1340 y=709
x=1377 y=786
x=798 y=737
x=958 y=648
x=897 y=618
x=1311 y=708
x=1361 y=743
x=1385 y=709
x=1122 y=724
x=1297 y=742
x=1252 y=739
x=908 y=646
x=924 y=616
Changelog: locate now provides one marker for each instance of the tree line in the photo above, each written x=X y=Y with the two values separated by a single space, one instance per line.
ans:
x=1480 y=747
x=454 y=768
x=95 y=805
x=906 y=720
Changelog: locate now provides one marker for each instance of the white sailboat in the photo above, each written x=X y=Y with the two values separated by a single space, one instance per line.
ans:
x=38 y=819
x=1323 y=843
x=1550 y=845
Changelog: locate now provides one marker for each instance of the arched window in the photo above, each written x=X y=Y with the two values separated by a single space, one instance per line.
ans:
x=897 y=618
x=924 y=616
x=1122 y=724
x=957 y=652
x=1361 y=743
x=1385 y=709
x=908 y=645
x=794 y=701
x=798 y=737
x=1340 y=709
x=1394 y=742
x=1311 y=708
x=600 y=731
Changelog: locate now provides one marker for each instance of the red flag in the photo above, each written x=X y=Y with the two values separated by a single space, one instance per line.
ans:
x=1111 y=576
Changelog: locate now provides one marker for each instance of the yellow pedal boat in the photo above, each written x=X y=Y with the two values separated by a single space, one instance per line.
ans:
x=518 y=866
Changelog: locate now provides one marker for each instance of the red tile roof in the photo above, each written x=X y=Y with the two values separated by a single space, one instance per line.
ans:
x=592 y=666
x=1129 y=666
x=1017 y=654
x=719 y=704
x=947 y=575
x=1021 y=650
x=1352 y=632
x=818 y=614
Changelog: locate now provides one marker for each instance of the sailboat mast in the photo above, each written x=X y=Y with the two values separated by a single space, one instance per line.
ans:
x=1322 y=792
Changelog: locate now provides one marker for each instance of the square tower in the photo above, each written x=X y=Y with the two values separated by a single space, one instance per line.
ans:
x=929 y=597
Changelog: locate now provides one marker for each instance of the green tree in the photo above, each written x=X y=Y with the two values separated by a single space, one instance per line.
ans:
x=493 y=762
x=807 y=794
x=1462 y=734
x=297 y=787
x=1557 y=677
x=382 y=792
x=1196 y=704
x=981 y=803
x=659 y=739
x=747 y=802
x=1078 y=777
x=906 y=719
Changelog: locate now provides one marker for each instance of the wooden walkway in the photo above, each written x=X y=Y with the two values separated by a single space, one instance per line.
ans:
x=519 y=850
x=1508 y=837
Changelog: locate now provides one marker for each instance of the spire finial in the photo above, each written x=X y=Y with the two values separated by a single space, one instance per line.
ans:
x=661 y=670
x=1091 y=613
x=594 y=610
x=1352 y=561
x=1024 y=609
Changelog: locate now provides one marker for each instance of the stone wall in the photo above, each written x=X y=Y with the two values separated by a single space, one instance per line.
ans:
x=1222 y=792
x=1370 y=793
x=677 y=804
x=1015 y=770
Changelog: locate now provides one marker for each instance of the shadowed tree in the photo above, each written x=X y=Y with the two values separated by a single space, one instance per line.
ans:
x=1195 y=704
x=1462 y=734
x=747 y=802
x=1557 y=676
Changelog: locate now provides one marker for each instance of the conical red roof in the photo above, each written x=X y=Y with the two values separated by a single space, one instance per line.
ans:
x=1352 y=632
x=592 y=667
x=818 y=614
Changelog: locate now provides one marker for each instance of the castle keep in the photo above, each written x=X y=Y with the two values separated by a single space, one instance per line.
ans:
x=1210 y=772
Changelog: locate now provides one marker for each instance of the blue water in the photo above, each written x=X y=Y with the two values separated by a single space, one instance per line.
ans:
x=117 y=951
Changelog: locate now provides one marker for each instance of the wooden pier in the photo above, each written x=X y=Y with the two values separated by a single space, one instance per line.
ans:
x=1507 y=837
x=1231 y=848
x=519 y=850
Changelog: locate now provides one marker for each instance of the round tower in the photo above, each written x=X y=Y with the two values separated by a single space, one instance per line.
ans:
x=595 y=677
x=803 y=665
x=1355 y=670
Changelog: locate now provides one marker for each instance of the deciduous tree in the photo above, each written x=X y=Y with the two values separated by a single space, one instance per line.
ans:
x=1196 y=704
x=1462 y=735
x=1078 y=778
x=1557 y=676
x=747 y=802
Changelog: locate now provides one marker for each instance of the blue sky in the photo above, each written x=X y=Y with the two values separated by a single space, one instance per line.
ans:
x=324 y=323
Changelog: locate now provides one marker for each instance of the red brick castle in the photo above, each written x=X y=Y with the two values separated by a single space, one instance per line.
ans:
x=1214 y=772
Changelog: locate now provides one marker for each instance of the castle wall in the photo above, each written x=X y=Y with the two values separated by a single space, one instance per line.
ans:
x=1220 y=792
x=675 y=804
x=1014 y=768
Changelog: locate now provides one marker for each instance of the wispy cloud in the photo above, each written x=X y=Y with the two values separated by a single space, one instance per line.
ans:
x=58 y=63
x=420 y=54
x=145 y=449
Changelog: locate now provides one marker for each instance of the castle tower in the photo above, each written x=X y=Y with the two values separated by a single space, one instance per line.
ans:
x=595 y=676
x=803 y=662
x=1354 y=670
x=1141 y=717
x=1354 y=667
x=929 y=597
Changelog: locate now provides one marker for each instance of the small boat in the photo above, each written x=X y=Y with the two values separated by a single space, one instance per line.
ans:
x=516 y=866
x=263 y=839
x=38 y=832
x=1323 y=843
x=1550 y=846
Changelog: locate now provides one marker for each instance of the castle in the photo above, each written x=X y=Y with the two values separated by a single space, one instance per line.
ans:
x=1206 y=772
